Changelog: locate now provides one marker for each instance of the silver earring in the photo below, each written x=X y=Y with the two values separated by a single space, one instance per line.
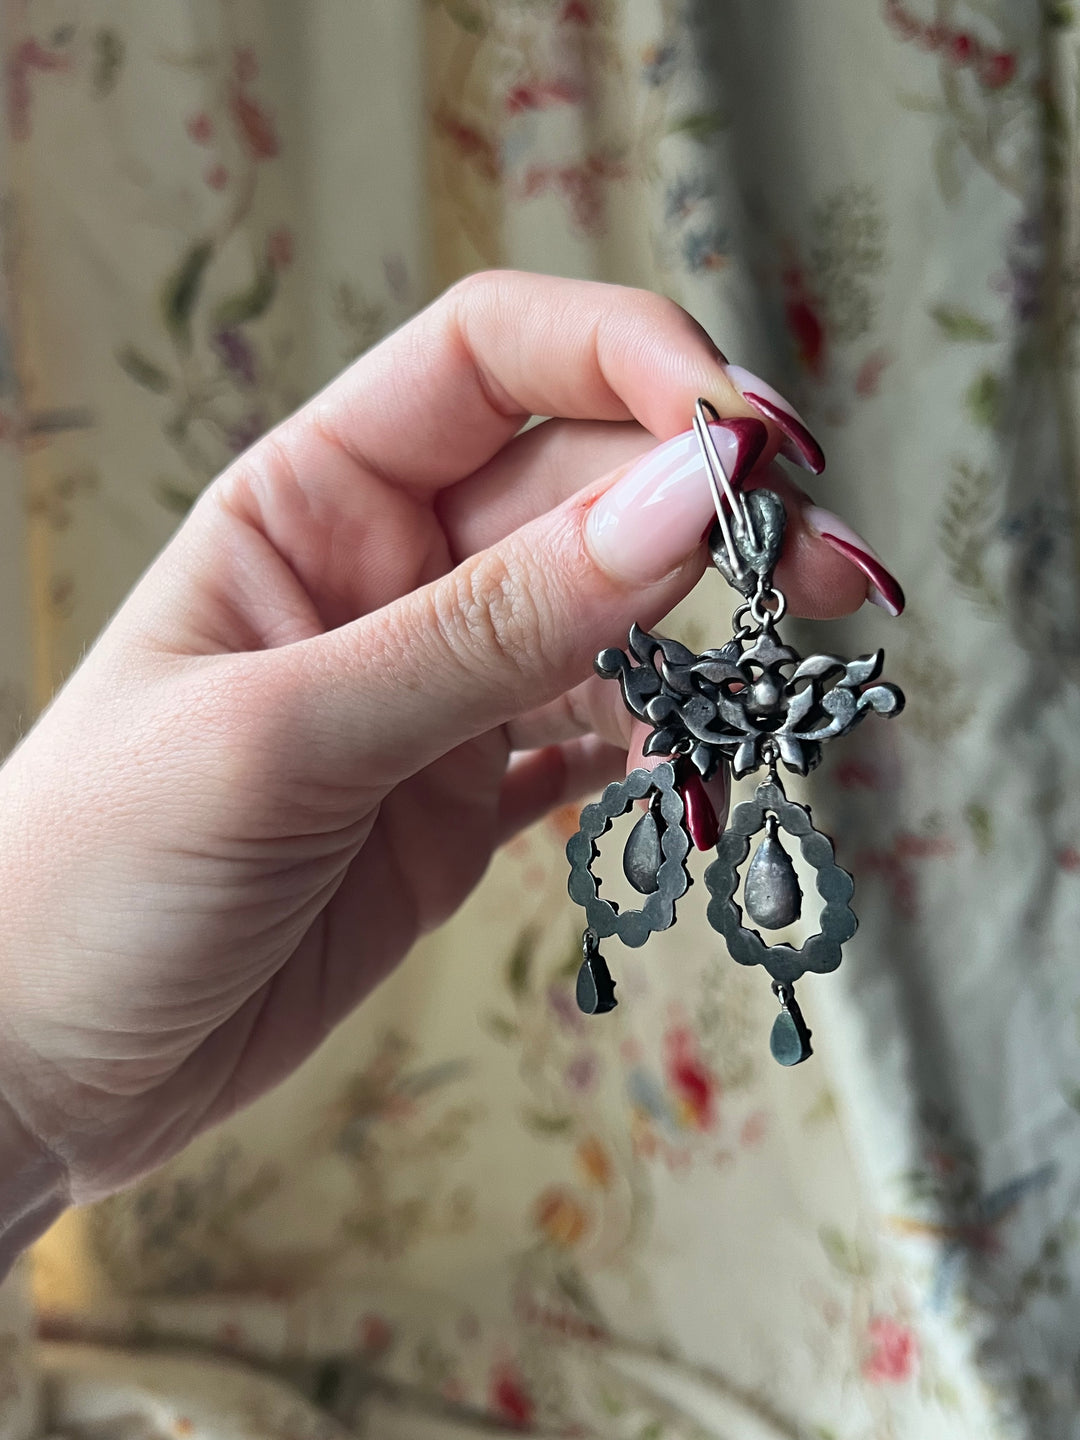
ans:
x=753 y=704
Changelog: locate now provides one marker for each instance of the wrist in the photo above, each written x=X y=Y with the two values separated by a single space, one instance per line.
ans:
x=33 y=1188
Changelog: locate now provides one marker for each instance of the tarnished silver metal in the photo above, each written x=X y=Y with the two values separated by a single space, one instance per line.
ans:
x=837 y=922
x=595 y=987
x=728 y=703
x=790 y=1038
x=643 y=856
x=771 y=888
x=633 y=927
x=753 y=702
x=756 y=536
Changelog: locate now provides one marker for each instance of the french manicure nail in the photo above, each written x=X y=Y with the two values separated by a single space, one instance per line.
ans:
x=655 y=515
x=885 y=590
x=798 y=445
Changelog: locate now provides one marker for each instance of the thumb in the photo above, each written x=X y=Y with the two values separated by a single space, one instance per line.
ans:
x=518 y=624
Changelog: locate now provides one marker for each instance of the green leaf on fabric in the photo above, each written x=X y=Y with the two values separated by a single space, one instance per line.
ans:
x=968 y=518
x=843 y=1254
x=701 y=125
x=651 y=1430
x=1059 y=16
x=519 y=966
x=981 y=826
x=1072 y=1098
x=174 y=497
x=180 y=293
x=956 y=323
x=983 y=399
x=248 y=304
x=143 y=371
x=611 y=1403
x=541 y=1122
x=109 y=53
x=466 y=18
x=571 y=1284
x=501 y=1027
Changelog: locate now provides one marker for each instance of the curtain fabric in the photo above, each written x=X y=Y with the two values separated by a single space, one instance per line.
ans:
x=474 y=1209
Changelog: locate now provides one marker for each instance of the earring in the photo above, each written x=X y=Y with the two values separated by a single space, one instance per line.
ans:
x=753 y=704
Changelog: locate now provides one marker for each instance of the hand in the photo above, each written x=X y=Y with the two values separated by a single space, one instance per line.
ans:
x=358 y=668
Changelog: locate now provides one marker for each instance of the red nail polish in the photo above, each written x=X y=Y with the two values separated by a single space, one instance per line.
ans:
x=751 y=436
x=808 y=451
x=701 y=818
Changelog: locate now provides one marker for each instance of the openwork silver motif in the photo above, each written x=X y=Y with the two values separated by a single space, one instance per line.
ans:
x=753 y=692
x=633 y=927
x=784 y=963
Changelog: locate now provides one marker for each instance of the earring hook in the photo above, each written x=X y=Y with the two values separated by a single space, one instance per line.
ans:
x=721 y=487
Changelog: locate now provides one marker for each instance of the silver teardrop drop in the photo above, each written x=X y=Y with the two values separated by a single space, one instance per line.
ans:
x=642 y=857
x=772 y=894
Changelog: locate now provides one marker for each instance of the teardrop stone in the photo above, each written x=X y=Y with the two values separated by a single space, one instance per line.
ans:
x=790 y=1038
x=595 y=987
x=772 y=894
x=642 y=857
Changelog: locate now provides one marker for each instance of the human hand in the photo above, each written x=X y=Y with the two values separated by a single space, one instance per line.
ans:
x=298 y=743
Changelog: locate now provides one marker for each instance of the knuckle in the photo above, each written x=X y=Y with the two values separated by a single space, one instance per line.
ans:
x=488 y=616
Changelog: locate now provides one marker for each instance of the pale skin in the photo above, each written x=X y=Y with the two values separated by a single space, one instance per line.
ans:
x=375 y=630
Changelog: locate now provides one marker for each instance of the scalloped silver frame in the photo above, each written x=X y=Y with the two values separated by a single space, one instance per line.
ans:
x=633 y=927
x=821 y=952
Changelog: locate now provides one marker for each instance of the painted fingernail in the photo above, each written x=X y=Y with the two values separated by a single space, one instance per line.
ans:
x=700 y=814
x=885 y=590
x=799 y=445
x=655 y=515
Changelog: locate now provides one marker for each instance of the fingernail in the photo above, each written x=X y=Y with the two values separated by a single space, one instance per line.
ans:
x=656 y=514
x=885 y=590
x=799 y=445
x=705 y=806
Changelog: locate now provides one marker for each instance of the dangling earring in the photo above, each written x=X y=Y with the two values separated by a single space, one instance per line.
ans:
x=753 y=704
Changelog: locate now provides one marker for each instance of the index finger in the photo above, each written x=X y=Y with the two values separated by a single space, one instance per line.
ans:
x=443 y=394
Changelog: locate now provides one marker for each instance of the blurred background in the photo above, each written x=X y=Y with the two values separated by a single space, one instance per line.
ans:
x=475 y=1211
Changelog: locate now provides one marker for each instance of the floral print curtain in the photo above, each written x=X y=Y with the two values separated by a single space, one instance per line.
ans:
x=473 y=1210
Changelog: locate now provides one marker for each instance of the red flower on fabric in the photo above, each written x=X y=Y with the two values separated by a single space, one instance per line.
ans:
x=245 y=65
x=695 y=1086
x=255 y=125
x=200 y=127
x=804 y=324
x=576 y=12
x=470 y=143
x=509 y=1398
x=997 y=70
x=894 y=1351
x=280 y=248
x=375 y=1334
x=961 y=48
x=217 y=177
x=22 y=62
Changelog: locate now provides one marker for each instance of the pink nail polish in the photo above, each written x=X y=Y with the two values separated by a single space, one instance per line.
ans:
x=799 y=445
x=885 y=590
x=655 y=515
